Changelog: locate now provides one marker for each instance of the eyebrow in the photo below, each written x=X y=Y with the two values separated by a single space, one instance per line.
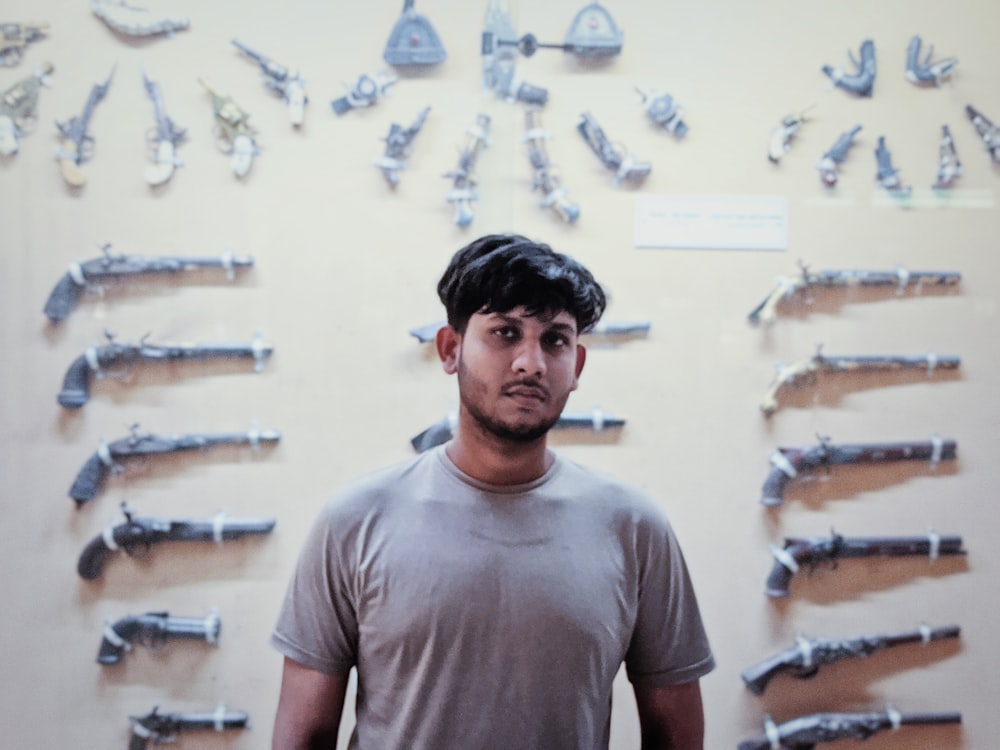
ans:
x=510 y=320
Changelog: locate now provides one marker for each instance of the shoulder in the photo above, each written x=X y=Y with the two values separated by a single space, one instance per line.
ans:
x=379 y=490
x=625 y=500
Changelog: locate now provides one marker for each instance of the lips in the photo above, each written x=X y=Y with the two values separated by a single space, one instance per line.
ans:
x=526 y=392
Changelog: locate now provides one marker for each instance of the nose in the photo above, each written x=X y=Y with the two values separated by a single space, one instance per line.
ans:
x=529 y=359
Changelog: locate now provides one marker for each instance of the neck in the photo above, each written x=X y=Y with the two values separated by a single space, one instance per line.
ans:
x=490 y=459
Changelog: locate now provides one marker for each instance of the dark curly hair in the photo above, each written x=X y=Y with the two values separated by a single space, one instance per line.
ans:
x=499 y=272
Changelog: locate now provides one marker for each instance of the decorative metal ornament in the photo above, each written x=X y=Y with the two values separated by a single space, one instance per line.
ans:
x=593 y=34
x=413 y=40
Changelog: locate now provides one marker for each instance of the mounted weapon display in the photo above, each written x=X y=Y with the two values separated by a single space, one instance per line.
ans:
x=96 y=361
x=829 y=164
x=805 y=732
x=805 y=371
x=92 y=274
x=157 y=728
x=949 y=167
x=811 y=552
x=988 y=132
x=926 y=70
x=152 y=630
x=790 y=463
x=622 y=163
x=15 y=38
x=463 y=192
x=862 y=80
x=795 y=287
x=163 y=138
x=283 y=81
x=17 y=108
x=233 y=132
x=413 y=41
x=546 y=178
x=132 y=20
x=804 y=659
x=140 y=445
x=397 y=147
x=77 y=144
x=136 y=536
x=365 y=92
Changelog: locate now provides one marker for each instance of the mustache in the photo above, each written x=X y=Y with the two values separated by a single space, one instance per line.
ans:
x=529 y=386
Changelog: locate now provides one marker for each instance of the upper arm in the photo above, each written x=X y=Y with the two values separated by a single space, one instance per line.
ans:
x=671 y=717
x=309 y=708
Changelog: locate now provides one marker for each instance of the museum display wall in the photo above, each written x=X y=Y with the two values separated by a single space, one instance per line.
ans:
x=344 y=266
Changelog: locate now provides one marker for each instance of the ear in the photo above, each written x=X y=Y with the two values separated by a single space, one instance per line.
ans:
x=447 y=342
x=581 y=360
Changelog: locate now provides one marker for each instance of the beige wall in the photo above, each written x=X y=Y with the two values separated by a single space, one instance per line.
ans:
x=345 y=267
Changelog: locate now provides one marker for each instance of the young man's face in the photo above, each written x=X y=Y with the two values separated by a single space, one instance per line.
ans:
x=515 y=371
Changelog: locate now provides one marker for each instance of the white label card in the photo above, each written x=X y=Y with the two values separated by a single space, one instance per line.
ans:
x=711 y=222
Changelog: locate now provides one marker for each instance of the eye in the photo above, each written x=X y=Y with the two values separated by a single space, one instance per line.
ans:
x=506 y=333
x=556 y=340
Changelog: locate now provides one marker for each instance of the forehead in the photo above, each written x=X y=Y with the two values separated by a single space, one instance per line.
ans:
x=521 y=316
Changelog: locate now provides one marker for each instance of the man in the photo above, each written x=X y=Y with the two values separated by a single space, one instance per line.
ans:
x=488 y=591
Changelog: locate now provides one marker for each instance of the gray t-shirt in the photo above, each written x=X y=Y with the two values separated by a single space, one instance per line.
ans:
x=491 y=617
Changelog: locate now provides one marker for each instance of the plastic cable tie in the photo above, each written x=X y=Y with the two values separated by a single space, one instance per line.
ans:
x=104 y=453
x=783 y=557
x=925 y=633
x=91 y=356
x=253 y=436
x=598 y=419
x=76 y=273
x=220 y=717
x=904 y=277
x=807 y=650
x=937 y=446
x=108 y=535
x=217 y=523
x=935 y=544
x=931 y=362
x=895 y=718
x=772 y=733
x=227 y=263
x=142 y=731
x=112 y=636
x=779 y=461
x=211 y=626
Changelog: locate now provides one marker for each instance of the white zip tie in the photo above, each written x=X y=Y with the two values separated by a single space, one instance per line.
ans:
x=104 y=453
x=935 y=548
x=108 y=535
x=937 y=446
x=598 y=419
x=778 y=460
x=227 y=263
x=783 y=557
x=142 y=731
x=895 y=718
x=925 y=633
x=807 y=650
x=931 y=362
x=217 y=524
x=772 y=733
x=212 y=627
x=116 y=640
x=253 y=435
x=220 y=717
x=91 y=356
x=904 y=276
x=76 y=273
x=258 y=352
